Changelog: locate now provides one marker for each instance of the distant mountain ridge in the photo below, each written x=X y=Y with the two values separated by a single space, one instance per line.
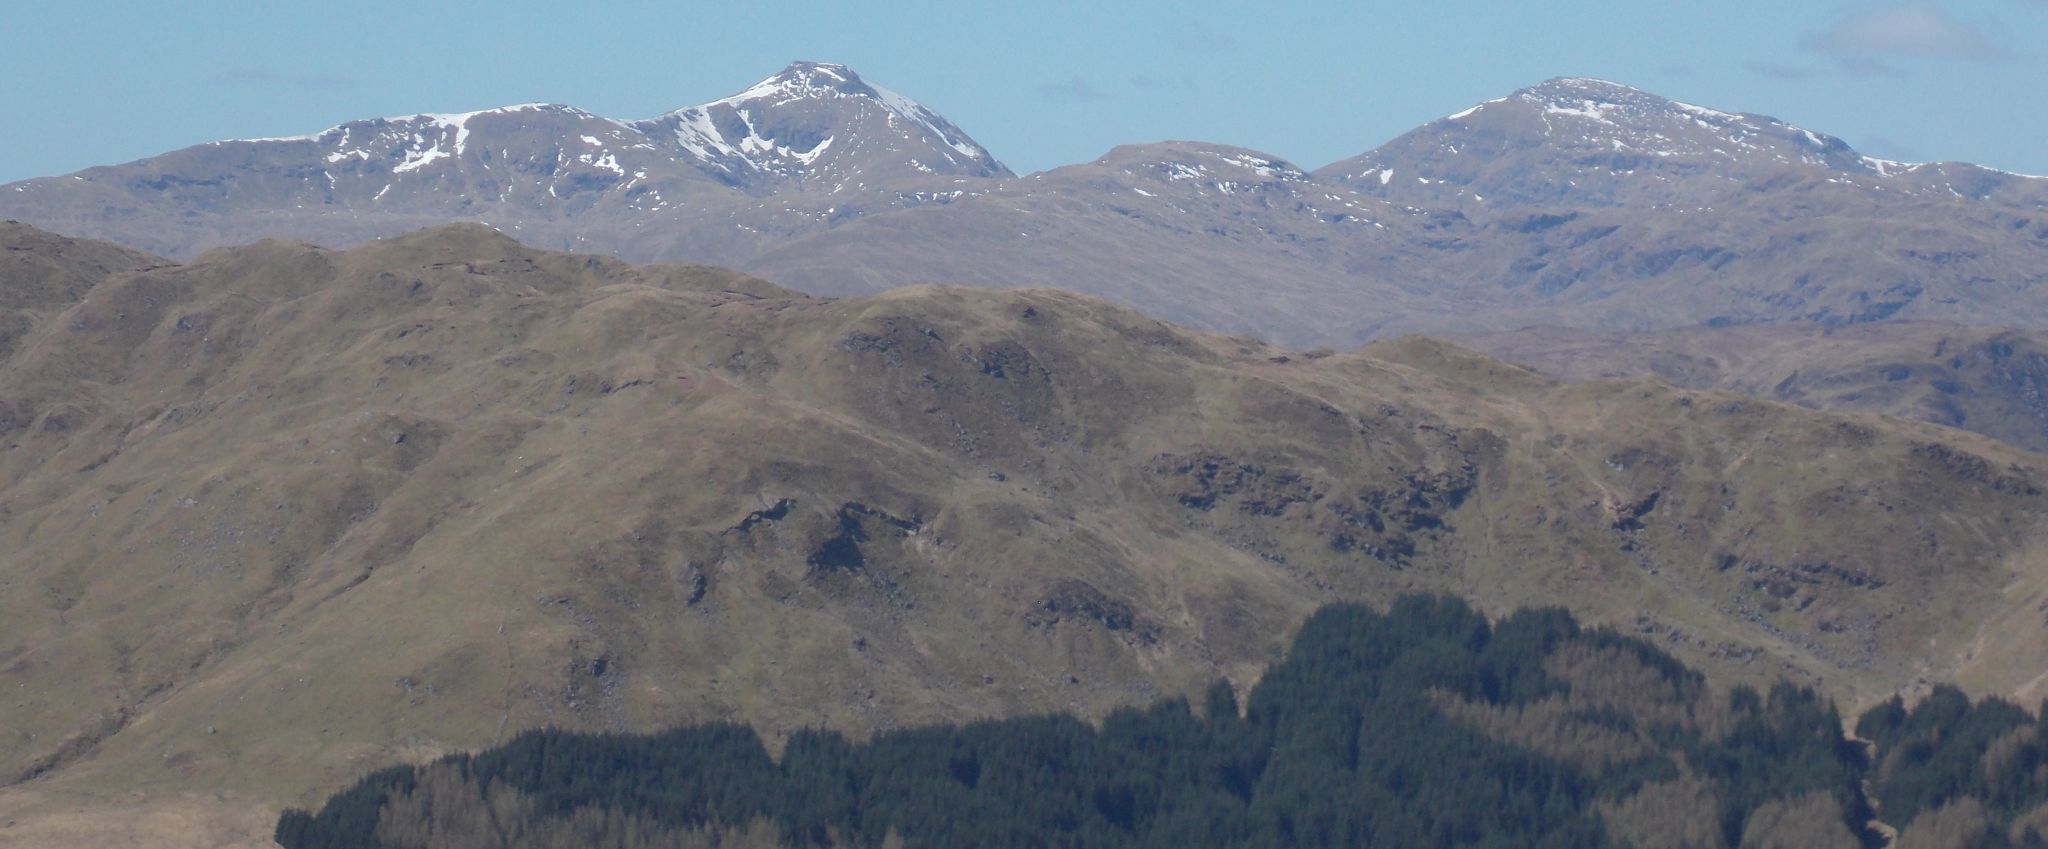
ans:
x=1574 y=203
x=546 y=171
x=1602 y=143
x=1605 y=132
x=780 y=130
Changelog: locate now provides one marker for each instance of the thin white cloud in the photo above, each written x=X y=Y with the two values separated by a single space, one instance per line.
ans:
x=271 y=78
x=1195 y=36
x=1184 y=82
x=1775 y=71
x=1916 y=30
x=1073 y=89
x=1865 y=66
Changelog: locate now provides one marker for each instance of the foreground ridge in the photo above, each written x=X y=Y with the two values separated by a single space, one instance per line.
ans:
x=291 y=514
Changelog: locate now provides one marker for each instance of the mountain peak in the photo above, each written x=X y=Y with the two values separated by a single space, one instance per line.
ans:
x=807 y=120
x=1613 y=103
x=1582 y=85
x=1600 y=102
x=807 y=66
x=802 y=79
x=1201 y=161
x=1589 y=142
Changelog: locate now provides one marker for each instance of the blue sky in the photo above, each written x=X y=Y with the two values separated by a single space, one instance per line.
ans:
x=1040 y=84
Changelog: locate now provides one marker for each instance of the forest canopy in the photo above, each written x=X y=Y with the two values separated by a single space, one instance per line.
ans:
x=1425 y=725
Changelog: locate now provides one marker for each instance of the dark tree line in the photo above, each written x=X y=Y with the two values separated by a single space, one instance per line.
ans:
x=1343 y=743
x=1946 y=751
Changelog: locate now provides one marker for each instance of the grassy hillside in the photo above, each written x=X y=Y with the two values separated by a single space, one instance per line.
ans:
x=282 y=515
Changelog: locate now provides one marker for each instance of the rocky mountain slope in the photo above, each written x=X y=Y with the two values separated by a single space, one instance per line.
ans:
x=1577 y=203
x=282 y=514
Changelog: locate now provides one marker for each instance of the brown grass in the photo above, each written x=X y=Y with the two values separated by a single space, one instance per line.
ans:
x=283 y=515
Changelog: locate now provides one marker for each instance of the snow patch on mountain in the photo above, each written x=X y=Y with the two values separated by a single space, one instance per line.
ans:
x=696 y=135
x=1586 y=141
x=1468 y=111
x=930 y=121
x=1632 y=119
x=727 y=132
x=807 y=121
x=1270 y=168
x=1588 y=109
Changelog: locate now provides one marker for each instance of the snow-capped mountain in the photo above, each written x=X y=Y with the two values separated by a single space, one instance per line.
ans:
x=1578 y=142
x=823 y=125
x=545 y=172
x=531 y=154
x=813 y=123
x=1574 y=202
